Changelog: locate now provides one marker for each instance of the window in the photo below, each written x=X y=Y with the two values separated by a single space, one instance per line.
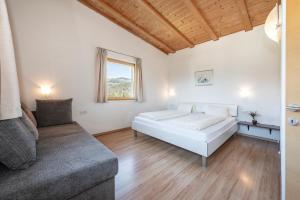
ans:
x=120 y=80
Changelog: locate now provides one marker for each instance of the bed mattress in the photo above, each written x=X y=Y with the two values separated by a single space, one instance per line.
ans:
x=205 y=135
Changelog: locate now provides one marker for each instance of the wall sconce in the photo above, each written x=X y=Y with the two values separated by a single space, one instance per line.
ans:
x=46 y=90
x=171 y=93
x=245 y=92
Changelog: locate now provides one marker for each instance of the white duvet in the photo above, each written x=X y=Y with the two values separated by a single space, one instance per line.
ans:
x=196 y=121
x=163 y=114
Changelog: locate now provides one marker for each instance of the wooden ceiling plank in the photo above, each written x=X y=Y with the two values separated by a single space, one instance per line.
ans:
x=190 y=4
x=196 y=29
x=126 y=23
x=147 y=6
x=244 y=14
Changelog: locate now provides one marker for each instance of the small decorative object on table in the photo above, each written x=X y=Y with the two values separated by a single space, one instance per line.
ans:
x=253 y=114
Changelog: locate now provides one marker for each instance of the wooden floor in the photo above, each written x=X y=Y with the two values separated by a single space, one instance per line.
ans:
x=243 y=168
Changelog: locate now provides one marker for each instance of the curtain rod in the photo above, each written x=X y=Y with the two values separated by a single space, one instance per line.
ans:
x=119 y=53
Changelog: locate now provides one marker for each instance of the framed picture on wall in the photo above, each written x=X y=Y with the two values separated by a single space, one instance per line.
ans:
x=204 y=78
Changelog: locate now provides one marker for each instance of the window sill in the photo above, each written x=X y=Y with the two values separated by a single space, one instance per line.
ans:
x=120 y=99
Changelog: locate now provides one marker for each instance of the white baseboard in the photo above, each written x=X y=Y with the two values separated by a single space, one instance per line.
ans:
x=257 y=137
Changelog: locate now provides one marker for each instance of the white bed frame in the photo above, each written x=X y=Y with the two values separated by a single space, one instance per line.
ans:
x=202 y=148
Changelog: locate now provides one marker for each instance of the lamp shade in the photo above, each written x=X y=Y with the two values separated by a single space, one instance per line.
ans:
x=273 y=24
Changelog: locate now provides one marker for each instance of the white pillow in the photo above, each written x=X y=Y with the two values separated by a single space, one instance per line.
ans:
x=216 y=111
x=185 y=107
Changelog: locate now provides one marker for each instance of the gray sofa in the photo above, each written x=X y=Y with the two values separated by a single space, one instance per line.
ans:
x=71 y=164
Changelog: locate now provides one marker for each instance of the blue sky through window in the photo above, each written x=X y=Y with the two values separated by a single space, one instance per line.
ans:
x=115 y=70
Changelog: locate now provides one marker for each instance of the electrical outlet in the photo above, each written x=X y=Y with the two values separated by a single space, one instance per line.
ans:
x=83 y=112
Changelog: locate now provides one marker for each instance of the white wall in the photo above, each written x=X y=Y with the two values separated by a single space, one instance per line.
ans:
x=242 y=60
x=56 y=42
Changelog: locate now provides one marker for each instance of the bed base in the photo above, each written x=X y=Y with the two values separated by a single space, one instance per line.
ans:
x=205 y=149
x=203 y=158
x=204 y=161
x=135 y=133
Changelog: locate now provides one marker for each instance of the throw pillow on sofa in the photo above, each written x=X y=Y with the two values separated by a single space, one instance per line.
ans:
x=29 y=113
x=29 y=124
x=17 y=144
x=53 y=112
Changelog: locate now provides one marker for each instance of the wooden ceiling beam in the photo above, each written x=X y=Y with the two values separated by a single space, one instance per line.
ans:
x=190 y=4
x=147 y=6
x=244 y=14
x=118 y=18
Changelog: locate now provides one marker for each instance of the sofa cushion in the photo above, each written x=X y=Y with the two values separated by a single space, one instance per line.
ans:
x=66 y=166
x=59 y=130
x=53 y=112
x=29 y=124
x=17 y=144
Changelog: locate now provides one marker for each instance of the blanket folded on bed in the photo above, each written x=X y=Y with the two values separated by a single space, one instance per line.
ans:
x=164 y=114
x=196 y=121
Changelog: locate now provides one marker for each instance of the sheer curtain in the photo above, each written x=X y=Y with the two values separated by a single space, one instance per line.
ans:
x=9 y=87
x=139 y=81
x=101 y=96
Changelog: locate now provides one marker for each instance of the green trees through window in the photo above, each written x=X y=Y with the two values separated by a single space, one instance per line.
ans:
x=120 y=80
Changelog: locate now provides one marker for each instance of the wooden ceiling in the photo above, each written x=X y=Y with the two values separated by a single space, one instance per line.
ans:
x=171 y=25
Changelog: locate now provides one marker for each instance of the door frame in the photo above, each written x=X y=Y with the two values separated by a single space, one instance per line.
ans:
x=283 y=101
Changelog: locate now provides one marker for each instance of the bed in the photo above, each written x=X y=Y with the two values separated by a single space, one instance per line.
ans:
x=199 y=128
